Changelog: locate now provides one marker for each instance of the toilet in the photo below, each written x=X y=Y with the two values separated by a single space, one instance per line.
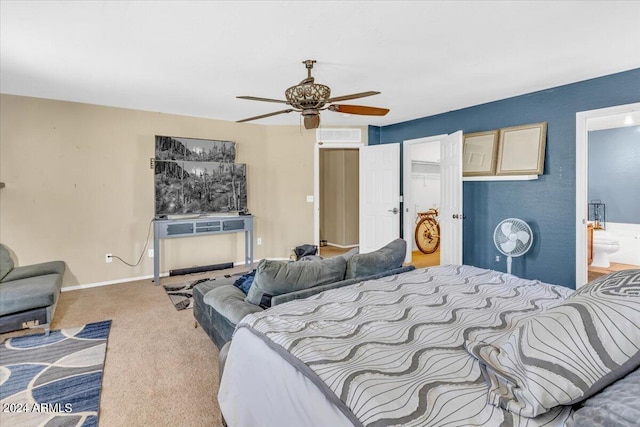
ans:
x=603 y=246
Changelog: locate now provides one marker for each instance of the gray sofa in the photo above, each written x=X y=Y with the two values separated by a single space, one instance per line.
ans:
x=219 y=305
x=29 y=294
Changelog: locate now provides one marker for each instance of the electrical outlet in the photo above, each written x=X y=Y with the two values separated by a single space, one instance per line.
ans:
x=497 y=258
x=309 y=199
x=150 y=253
x=259 y=240
x=108 y=258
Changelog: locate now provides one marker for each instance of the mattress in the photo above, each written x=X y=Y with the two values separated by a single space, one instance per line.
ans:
x=381 y=353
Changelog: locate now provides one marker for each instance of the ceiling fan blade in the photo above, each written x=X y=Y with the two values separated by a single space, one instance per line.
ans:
x=359 y=109
x=265 y=115
x=312 y=122
x=255 y=98
x=352 y=96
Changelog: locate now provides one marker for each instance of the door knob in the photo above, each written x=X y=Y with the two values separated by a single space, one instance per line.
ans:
x=455 y=216
x=394 y=211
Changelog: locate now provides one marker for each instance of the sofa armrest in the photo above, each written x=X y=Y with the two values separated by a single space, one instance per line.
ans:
x=42 y=269
x=229 y=302
x=305 y=293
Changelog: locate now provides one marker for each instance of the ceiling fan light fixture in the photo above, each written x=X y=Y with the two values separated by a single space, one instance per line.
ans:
x=311 y=121
x=306 y=95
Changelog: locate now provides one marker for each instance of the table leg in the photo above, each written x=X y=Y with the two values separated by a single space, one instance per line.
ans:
x=156 y=257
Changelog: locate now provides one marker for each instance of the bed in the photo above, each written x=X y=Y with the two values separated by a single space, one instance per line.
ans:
x=441 y=346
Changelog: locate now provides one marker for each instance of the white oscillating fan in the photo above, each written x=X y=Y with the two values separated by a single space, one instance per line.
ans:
x=512 y=237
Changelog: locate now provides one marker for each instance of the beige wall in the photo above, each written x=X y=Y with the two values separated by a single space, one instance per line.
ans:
x=79 y=186
x=339 y=196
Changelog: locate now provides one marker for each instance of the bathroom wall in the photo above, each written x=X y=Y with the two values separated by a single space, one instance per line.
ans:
x=614 y=172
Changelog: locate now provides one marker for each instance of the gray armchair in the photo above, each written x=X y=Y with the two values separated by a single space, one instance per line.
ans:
x=28 y=294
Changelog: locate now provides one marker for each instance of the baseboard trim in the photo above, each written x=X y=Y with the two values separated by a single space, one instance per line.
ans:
x=342 y=246
x=109 y=282
x=133 y=279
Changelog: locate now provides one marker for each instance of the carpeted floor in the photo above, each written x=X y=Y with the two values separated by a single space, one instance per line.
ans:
x=159 y=369
x=53 y=379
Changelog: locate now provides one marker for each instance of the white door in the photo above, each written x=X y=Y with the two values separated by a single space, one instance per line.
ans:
x=379 y=195
x=451 y=199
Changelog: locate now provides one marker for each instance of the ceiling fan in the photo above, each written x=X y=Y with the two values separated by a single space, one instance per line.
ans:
x=309 y=98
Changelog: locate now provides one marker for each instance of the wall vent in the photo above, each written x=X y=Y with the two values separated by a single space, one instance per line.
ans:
x=338 y=135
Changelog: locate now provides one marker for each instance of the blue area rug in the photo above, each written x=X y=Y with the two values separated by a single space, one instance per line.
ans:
x=53 y=380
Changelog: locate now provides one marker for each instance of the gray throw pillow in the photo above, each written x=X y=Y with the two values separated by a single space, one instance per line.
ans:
x=386 y=258
x=6 y=263
x=310 y=258
x=281 y=277
x=568 y=352
x=348 y=255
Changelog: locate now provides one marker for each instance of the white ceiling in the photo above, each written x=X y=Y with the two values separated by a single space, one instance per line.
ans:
x=194 y=57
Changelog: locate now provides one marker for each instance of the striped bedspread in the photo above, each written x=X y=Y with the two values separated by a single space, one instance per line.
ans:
x=392 y=351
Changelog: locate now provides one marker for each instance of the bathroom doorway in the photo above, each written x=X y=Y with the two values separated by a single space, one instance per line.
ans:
x=607 y=199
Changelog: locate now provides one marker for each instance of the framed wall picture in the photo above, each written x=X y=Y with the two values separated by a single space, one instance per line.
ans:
x=479 y=151
x=198 y=176
x=521 y=150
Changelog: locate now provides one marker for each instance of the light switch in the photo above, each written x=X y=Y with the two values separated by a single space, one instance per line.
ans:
x=309 y=199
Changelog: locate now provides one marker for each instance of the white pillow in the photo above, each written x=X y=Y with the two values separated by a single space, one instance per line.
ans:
x=568 y=352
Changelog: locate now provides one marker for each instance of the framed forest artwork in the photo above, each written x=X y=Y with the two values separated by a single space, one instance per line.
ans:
x=198 y=176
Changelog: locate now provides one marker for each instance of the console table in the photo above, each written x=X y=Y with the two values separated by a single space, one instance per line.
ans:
x=201 y=226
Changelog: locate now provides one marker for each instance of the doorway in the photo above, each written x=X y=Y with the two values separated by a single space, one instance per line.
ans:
x=421 y=193
x=599 y=135
x=336 y=197
x=450 y=201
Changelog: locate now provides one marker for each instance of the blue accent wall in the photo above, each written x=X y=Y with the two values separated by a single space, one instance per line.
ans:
x=614 y=172
x=547 y=204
